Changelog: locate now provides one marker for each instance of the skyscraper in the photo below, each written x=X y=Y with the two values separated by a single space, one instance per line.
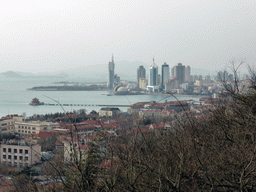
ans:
x=187 y=73
x=222 y=75
x=153 y=74
x=165 y=74
x=111 y=73
x=141 y=73
x=179 y=72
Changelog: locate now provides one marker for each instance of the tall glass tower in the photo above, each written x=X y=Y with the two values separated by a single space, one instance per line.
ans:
x=111 y=73
x=153 y=74
x=165 y=74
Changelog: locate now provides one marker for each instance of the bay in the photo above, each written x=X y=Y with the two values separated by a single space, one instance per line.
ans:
x=15 y=98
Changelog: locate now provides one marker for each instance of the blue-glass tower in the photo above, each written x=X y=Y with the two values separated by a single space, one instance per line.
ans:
x=153 y=74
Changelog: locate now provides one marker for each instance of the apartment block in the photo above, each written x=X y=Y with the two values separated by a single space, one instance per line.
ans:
x=74 y=149
x=26 y=129
x=7 y=123
x=19 y=154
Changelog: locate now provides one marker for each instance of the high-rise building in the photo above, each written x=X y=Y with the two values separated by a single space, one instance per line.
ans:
x=153 y=74
x=195 y=77
x=159 y=79
x=171 y=84
x=111 y=73
x=116 y=80
x=141 y=73
x=179 y=72
x=222 y=76
x=231 y=77
x=165 y=74
x=207 y=78
x=143 y=83
x=187 y=73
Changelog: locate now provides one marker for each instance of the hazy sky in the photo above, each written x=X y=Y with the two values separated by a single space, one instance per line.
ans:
x=51 y=35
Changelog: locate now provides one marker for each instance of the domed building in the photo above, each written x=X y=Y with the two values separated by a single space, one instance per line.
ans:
x=120 y=90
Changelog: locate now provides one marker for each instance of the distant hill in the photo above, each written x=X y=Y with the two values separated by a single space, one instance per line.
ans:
x=11 y=74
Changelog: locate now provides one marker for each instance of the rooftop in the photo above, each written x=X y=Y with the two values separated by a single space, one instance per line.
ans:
x=17 y=143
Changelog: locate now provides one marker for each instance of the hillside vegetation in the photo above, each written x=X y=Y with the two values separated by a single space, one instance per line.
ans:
x=213 y=153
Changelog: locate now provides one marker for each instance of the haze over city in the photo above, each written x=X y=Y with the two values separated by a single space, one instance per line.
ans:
x=51 y=36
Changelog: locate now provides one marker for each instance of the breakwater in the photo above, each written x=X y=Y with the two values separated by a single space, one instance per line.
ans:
x=99 y=105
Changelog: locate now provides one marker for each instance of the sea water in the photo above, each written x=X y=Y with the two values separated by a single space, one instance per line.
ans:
x=15 y=98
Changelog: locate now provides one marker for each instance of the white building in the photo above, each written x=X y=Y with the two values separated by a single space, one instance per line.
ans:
x=7 y=123
x=19 y=154
x=26 y=129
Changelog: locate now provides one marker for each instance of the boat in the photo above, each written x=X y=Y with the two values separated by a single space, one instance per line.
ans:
x=36 y=101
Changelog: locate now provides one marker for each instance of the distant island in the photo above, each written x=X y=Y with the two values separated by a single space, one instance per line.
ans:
x=69 y=88
x=13 y=74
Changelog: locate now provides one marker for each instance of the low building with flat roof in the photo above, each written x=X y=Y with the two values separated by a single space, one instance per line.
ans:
x=26 y=129
x=109 y=112
x=7 y=123
x=19 y=154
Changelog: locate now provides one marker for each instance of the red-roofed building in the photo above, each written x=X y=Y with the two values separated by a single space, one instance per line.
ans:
x=150 y=113
x=91 y=126
x=68 y=116
x=73 y=145
x=136 y=107
x=156 y=113
x=59 y=145
x=100 y=134
x=91 y=122
x=170 y=105
x=108 y=164
x=71 y=148
x=163 y=126
x=44 y=135
x=84 y=147
x=209 y=100
x=137 y=130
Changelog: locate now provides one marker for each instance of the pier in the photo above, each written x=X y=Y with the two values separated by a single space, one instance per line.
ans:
x=99 y=105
